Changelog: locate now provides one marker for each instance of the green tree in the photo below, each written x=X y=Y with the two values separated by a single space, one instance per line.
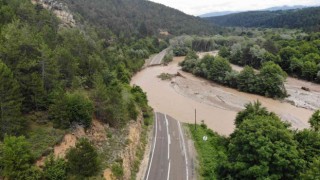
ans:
x=251 y=110
x=309 y=145
x=224 y=52
x=11 y=121
x=55 y=169
x=22 y=55
x=71 y=107
x=83 y=159
x=17 y=159
x=296 y=66
x=315 y=121
x=272 y=79
x=309 y=70
x=313 y=173
x=247 y=80
x=191 y=55
x=286 y=54
x=218 y=69
x=109 y=103
x=263 y=148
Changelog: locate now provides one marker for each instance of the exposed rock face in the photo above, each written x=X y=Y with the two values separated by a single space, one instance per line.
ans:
x=59 y=9
x=129 y=153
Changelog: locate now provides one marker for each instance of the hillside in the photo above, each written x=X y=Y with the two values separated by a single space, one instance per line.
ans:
x=276 y=8
x=137 y=17
x=58 y=76
x=308 y=19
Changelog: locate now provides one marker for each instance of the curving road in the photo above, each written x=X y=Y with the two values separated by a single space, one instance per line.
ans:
x=169 y=157
x=157 y=59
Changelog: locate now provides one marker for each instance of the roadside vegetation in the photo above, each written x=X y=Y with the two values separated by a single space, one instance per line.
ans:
x=210 y=153
x=261 y=147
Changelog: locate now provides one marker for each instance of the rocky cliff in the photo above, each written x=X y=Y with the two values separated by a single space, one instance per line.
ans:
x=59 y=9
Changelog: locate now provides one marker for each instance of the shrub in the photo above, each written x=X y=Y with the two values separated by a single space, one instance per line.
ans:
x=55 y=169
x=83 y=159
x=71 y=107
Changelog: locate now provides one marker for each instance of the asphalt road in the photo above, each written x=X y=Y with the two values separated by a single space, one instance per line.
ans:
x=169 y=155
x=157 y=59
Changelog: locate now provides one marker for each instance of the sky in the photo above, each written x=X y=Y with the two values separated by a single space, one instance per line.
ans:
x=199 y=7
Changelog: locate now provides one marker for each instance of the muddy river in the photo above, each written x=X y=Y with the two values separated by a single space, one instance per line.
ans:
x=215 y=104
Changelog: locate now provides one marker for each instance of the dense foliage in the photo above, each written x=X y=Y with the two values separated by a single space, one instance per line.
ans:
x=315 y=121
x=71 y=108
x=296 y=52
x=53 y=77
x=55 y=169
x=268 y=82
x=261 y=147
x=11 y=121
x=16 y=159
x=307 y=18
x=83 y=159
x=138 y=17
x=40 y=63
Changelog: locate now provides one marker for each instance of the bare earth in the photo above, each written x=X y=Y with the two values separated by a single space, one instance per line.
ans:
x=215 y=104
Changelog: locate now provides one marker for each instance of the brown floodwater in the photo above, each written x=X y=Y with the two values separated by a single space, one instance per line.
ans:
x=215 y=104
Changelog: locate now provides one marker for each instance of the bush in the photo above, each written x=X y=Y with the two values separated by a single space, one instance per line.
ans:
x=180 y=51
x=83 y=159
x=168 y=57
x=55 y=169
x=17 y=159
x=71 y=107
x=117 y=170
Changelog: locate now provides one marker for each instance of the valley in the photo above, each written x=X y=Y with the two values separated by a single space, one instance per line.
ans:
x=138 y=90
x=215 y=104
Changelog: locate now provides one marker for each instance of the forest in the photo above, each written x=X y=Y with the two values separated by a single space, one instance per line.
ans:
x=138 y=17
x=52 y=78
x=307 y=19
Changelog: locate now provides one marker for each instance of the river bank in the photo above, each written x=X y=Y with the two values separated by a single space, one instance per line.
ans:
x=215 y=104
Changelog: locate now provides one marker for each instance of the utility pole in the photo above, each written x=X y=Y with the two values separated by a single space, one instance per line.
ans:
x=195 y=119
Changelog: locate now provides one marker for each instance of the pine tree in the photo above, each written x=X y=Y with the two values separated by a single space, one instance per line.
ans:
x=11 y=122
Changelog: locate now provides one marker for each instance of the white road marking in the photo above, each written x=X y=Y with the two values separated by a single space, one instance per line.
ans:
x=185 y=152
x=168 y=135
x=169 y=168
x=154 y=145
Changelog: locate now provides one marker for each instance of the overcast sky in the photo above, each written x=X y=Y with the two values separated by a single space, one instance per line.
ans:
x=198 y=7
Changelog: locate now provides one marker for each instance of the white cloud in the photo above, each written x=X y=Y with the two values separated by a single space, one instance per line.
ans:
x=198 y=7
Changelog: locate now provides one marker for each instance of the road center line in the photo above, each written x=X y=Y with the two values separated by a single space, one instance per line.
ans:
x=185 y=152
x=169 y=168
x=168 y=135
x=154 y=145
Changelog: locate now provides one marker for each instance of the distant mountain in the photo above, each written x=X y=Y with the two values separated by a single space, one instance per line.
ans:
x=276 y=8
x=307 y=18
x=221 y=13
x=139 y=17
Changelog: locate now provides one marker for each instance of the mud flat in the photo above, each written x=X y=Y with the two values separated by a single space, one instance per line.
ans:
x=215 y=104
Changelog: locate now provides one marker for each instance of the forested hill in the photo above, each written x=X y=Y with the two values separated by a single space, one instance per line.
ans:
x=137 y=17
x=308 y=19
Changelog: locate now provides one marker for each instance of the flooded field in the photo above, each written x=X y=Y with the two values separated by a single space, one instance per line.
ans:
x=215 y=104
